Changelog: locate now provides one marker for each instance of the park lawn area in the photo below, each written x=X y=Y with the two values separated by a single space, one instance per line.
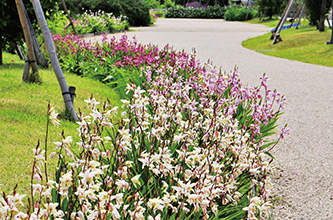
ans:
x=305 y=44
x=23 y=109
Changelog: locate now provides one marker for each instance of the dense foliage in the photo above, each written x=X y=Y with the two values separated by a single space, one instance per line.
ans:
x=237 y=13
x=11 y=31
x=199 y=10
x=195 y=12
x=204 y=2
x=136 y=11
x=268 y=8
x=100 y=21
x=313 y=8
x=88 y=22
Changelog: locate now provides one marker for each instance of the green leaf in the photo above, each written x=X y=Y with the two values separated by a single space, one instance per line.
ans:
x=269 y=154
x=267 y=145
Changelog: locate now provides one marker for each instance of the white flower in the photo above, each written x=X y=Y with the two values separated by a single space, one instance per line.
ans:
x=53 y=117
x=155 y=204
x=136 y=179
x=16 y=199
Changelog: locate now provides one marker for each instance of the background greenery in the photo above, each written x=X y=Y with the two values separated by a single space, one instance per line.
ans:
x=136 y=11
x=11 y=32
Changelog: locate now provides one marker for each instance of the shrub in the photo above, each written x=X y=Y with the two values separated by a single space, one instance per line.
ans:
x=238 y=13
x=152 y=4
x=136 y=11
x=271 y=7
x=90 y=22
x=168 y=4
x=193 y=12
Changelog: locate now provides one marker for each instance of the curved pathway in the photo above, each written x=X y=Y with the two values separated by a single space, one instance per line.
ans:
x=305 y=157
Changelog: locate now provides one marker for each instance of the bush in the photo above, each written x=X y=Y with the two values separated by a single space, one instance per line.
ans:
x=88 y=22
x=152 y=4
x=100 y=21
x=271 y=7
x=238 y=13
x=168 y=4
x=136 y=12
x=216 y=12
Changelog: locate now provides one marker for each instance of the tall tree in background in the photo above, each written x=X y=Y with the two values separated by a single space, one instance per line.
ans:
x=10 y=26
x=314 y=10
x=321 y=25
x=268 y=8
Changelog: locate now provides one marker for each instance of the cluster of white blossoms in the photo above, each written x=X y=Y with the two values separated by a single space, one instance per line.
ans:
x=169 y=156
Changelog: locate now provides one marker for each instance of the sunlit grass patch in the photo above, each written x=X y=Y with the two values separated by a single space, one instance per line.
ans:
x=305 y=44
x=23 y=109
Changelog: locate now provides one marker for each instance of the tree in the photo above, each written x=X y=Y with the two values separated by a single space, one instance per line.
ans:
x=10 y=27
x=321 y=25
x=314 y=11
x=270 y=7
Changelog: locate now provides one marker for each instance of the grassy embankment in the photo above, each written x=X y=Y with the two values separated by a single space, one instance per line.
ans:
x=305 y=44
x=23 y=109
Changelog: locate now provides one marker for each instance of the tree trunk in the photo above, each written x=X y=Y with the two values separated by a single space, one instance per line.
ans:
x=321 y=26
x=27 y=37
x=54 y=60
x=39 y=55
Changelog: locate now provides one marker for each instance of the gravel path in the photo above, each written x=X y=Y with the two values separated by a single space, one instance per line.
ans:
x=305 y=156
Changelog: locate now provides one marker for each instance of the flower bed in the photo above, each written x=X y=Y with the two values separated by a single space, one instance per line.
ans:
x=99 y=22
x=191 y=144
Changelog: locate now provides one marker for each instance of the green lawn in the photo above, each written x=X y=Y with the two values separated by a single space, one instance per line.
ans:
x=305 y=44
x=23 y=109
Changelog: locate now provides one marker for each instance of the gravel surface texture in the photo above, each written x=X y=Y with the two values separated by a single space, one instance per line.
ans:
x=304 y=183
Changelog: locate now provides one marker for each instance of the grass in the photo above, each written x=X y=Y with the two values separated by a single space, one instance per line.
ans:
x=305 y=44
x=23 y=109
x=268 y=22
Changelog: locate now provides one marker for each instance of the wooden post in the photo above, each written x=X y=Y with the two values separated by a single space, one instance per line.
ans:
x=38 y=53
x=277 y=35
x=54 y=60
x=300 y=16
x=31 y=62
x=19 y=52
x=69 y=16
x=331 y=42
x=295 y=17
x=26 y=70
x=280 y=21
x=248 y=8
